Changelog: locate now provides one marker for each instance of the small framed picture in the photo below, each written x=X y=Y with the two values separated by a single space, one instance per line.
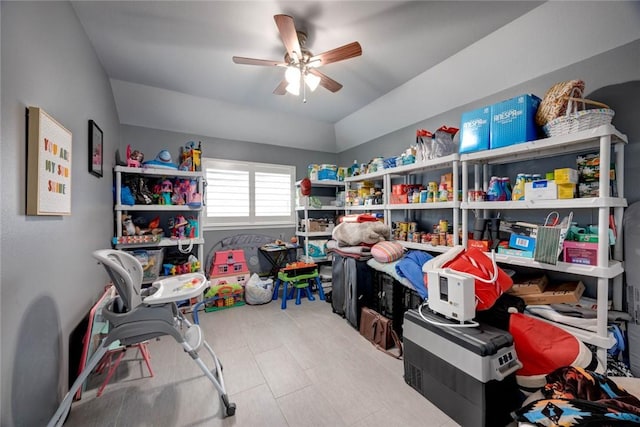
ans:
x=95 y=149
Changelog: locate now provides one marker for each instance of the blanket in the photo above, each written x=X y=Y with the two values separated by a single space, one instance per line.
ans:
x=577 y=397
x=358 y=252
x=390 y=269
x=358 y=233
x=410 y=267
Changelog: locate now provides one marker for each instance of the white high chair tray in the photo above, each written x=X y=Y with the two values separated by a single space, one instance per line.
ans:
x=177 y=288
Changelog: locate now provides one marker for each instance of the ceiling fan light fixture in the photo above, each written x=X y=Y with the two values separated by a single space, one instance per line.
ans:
x=299 y=61
x=294 y=88
x=292 y=75
x=312 y=81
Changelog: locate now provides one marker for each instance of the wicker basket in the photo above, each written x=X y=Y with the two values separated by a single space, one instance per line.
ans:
x=554 y=103
x=576 y=120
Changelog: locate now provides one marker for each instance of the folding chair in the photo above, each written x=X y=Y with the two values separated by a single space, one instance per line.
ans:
x=137 y=315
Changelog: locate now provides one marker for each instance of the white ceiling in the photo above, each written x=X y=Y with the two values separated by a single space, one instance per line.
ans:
x=170 y=62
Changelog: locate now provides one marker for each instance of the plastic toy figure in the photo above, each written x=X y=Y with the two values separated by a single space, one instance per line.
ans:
x=166 y=188
x=193 y=197
x=134 y=158
x=180 y=191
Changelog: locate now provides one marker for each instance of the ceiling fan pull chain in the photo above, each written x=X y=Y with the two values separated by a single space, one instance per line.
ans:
x=304 y=88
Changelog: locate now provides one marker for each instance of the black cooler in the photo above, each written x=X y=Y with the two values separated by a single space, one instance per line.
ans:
x=469 y=373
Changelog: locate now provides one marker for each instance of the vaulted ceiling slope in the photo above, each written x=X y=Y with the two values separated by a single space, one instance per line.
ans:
x=170 y=62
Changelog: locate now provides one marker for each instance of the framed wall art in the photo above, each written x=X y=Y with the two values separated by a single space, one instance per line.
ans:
x=48 y=165
x=95 y=149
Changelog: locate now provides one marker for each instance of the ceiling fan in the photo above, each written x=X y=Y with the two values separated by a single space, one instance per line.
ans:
x=301 y=65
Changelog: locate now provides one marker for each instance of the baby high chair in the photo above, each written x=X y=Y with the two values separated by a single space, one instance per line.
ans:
x=136 y=315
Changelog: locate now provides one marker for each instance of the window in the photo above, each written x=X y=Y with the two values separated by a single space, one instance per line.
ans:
x=247 y=194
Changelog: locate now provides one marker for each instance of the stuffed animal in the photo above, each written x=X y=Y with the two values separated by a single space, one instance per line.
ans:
x=357 y=233
x=128 y=229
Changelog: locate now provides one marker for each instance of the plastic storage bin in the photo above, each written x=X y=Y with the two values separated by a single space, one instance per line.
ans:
x=151 y=261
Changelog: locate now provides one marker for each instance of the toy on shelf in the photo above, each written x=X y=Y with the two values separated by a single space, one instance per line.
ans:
x=139 y=226
x=177 y=227
x=166 y=189
x=162 y=160
x=185 y=192
x=139 y=187
x=134 y=158
x=128 y=229
x=174 y=264
x=190 y=157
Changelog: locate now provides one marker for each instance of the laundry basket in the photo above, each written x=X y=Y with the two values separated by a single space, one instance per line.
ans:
x=578 y=117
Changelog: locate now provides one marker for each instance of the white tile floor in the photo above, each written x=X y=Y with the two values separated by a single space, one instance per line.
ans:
x=303 y=366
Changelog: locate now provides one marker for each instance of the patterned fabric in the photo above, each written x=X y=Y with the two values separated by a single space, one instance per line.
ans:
x=578 y=397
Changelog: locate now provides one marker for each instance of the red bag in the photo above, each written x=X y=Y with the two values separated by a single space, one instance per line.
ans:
x=490 y=280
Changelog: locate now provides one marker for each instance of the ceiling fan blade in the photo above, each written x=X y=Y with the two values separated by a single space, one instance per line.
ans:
x=281 y=89
x=347 y=51
x=252 y=61
x=326 y=81
x=289 y=36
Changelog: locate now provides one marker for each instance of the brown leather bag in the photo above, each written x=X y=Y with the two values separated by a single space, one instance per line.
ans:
x=379 y=331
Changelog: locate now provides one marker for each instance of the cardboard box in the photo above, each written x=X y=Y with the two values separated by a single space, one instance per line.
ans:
x=540 y=190
x=522 y=242
x=565 y=176
x=589 y=168
x=569 y=292
x=580 y=252
x=526 y=285
x=515 y=252
x=474 y=130
x=314 y=226
x=483 y=245
x=512 y=121
x=507 y=228
x=592 y=189
x=566 y=191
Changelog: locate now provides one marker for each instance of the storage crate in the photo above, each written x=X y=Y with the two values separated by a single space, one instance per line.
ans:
x=151 y=261
x=474 y=130
x=513 y=121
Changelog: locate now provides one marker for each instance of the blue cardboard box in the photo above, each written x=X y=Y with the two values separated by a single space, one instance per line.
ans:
x=522 y=242
x=513 y=121
x=474 y=130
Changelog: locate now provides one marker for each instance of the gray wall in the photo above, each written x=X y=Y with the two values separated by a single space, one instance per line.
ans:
x=49 y=281
x=151 y=141
x=612 y=76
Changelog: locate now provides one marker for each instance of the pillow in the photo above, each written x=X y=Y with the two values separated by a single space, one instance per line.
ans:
x=387 y=251
x=554 y=103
